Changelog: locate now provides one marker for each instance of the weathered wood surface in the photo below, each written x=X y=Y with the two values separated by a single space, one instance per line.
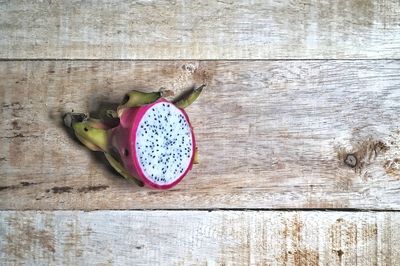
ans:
x=199 y=238
x=200 y=30
x=271 y=134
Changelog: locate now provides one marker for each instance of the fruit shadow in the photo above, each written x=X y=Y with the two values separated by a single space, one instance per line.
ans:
x=98 y=111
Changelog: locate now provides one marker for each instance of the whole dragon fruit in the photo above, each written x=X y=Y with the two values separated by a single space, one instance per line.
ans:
x=152 y=141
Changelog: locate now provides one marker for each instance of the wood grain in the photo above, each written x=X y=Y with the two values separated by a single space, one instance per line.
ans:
x=199 y=238
x=185 y=29
x=271 y=134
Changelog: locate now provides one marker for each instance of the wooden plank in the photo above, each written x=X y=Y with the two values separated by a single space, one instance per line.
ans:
x=185 y=29
x=271 y=134
x=199 y=238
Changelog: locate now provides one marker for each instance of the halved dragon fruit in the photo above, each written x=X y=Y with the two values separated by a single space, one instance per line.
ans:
x=147 y=139
x=156 y=143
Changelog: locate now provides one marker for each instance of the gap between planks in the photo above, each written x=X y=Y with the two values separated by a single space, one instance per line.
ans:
x=197 y=60
x=322 y=210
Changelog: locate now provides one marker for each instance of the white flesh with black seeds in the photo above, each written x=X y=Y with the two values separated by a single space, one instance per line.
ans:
x=164 y=146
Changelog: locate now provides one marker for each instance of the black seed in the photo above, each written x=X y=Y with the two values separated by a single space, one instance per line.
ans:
x=85 y=129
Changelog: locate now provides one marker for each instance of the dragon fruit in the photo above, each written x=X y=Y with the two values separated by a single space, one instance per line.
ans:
x=156 y=142
x=153 y=143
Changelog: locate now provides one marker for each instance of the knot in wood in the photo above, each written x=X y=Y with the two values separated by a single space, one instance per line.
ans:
x=351 y=160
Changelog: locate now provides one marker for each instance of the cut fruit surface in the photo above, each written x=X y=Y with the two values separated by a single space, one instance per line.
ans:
x=156 y=143
x=164 y=143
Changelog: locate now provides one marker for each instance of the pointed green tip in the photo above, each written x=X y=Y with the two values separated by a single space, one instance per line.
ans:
x=189 y=98
x=200 y=89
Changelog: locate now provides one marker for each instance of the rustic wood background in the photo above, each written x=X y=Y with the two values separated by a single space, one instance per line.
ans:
x=298 y=131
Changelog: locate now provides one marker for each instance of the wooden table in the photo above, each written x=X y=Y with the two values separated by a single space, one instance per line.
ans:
x=298 y=131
